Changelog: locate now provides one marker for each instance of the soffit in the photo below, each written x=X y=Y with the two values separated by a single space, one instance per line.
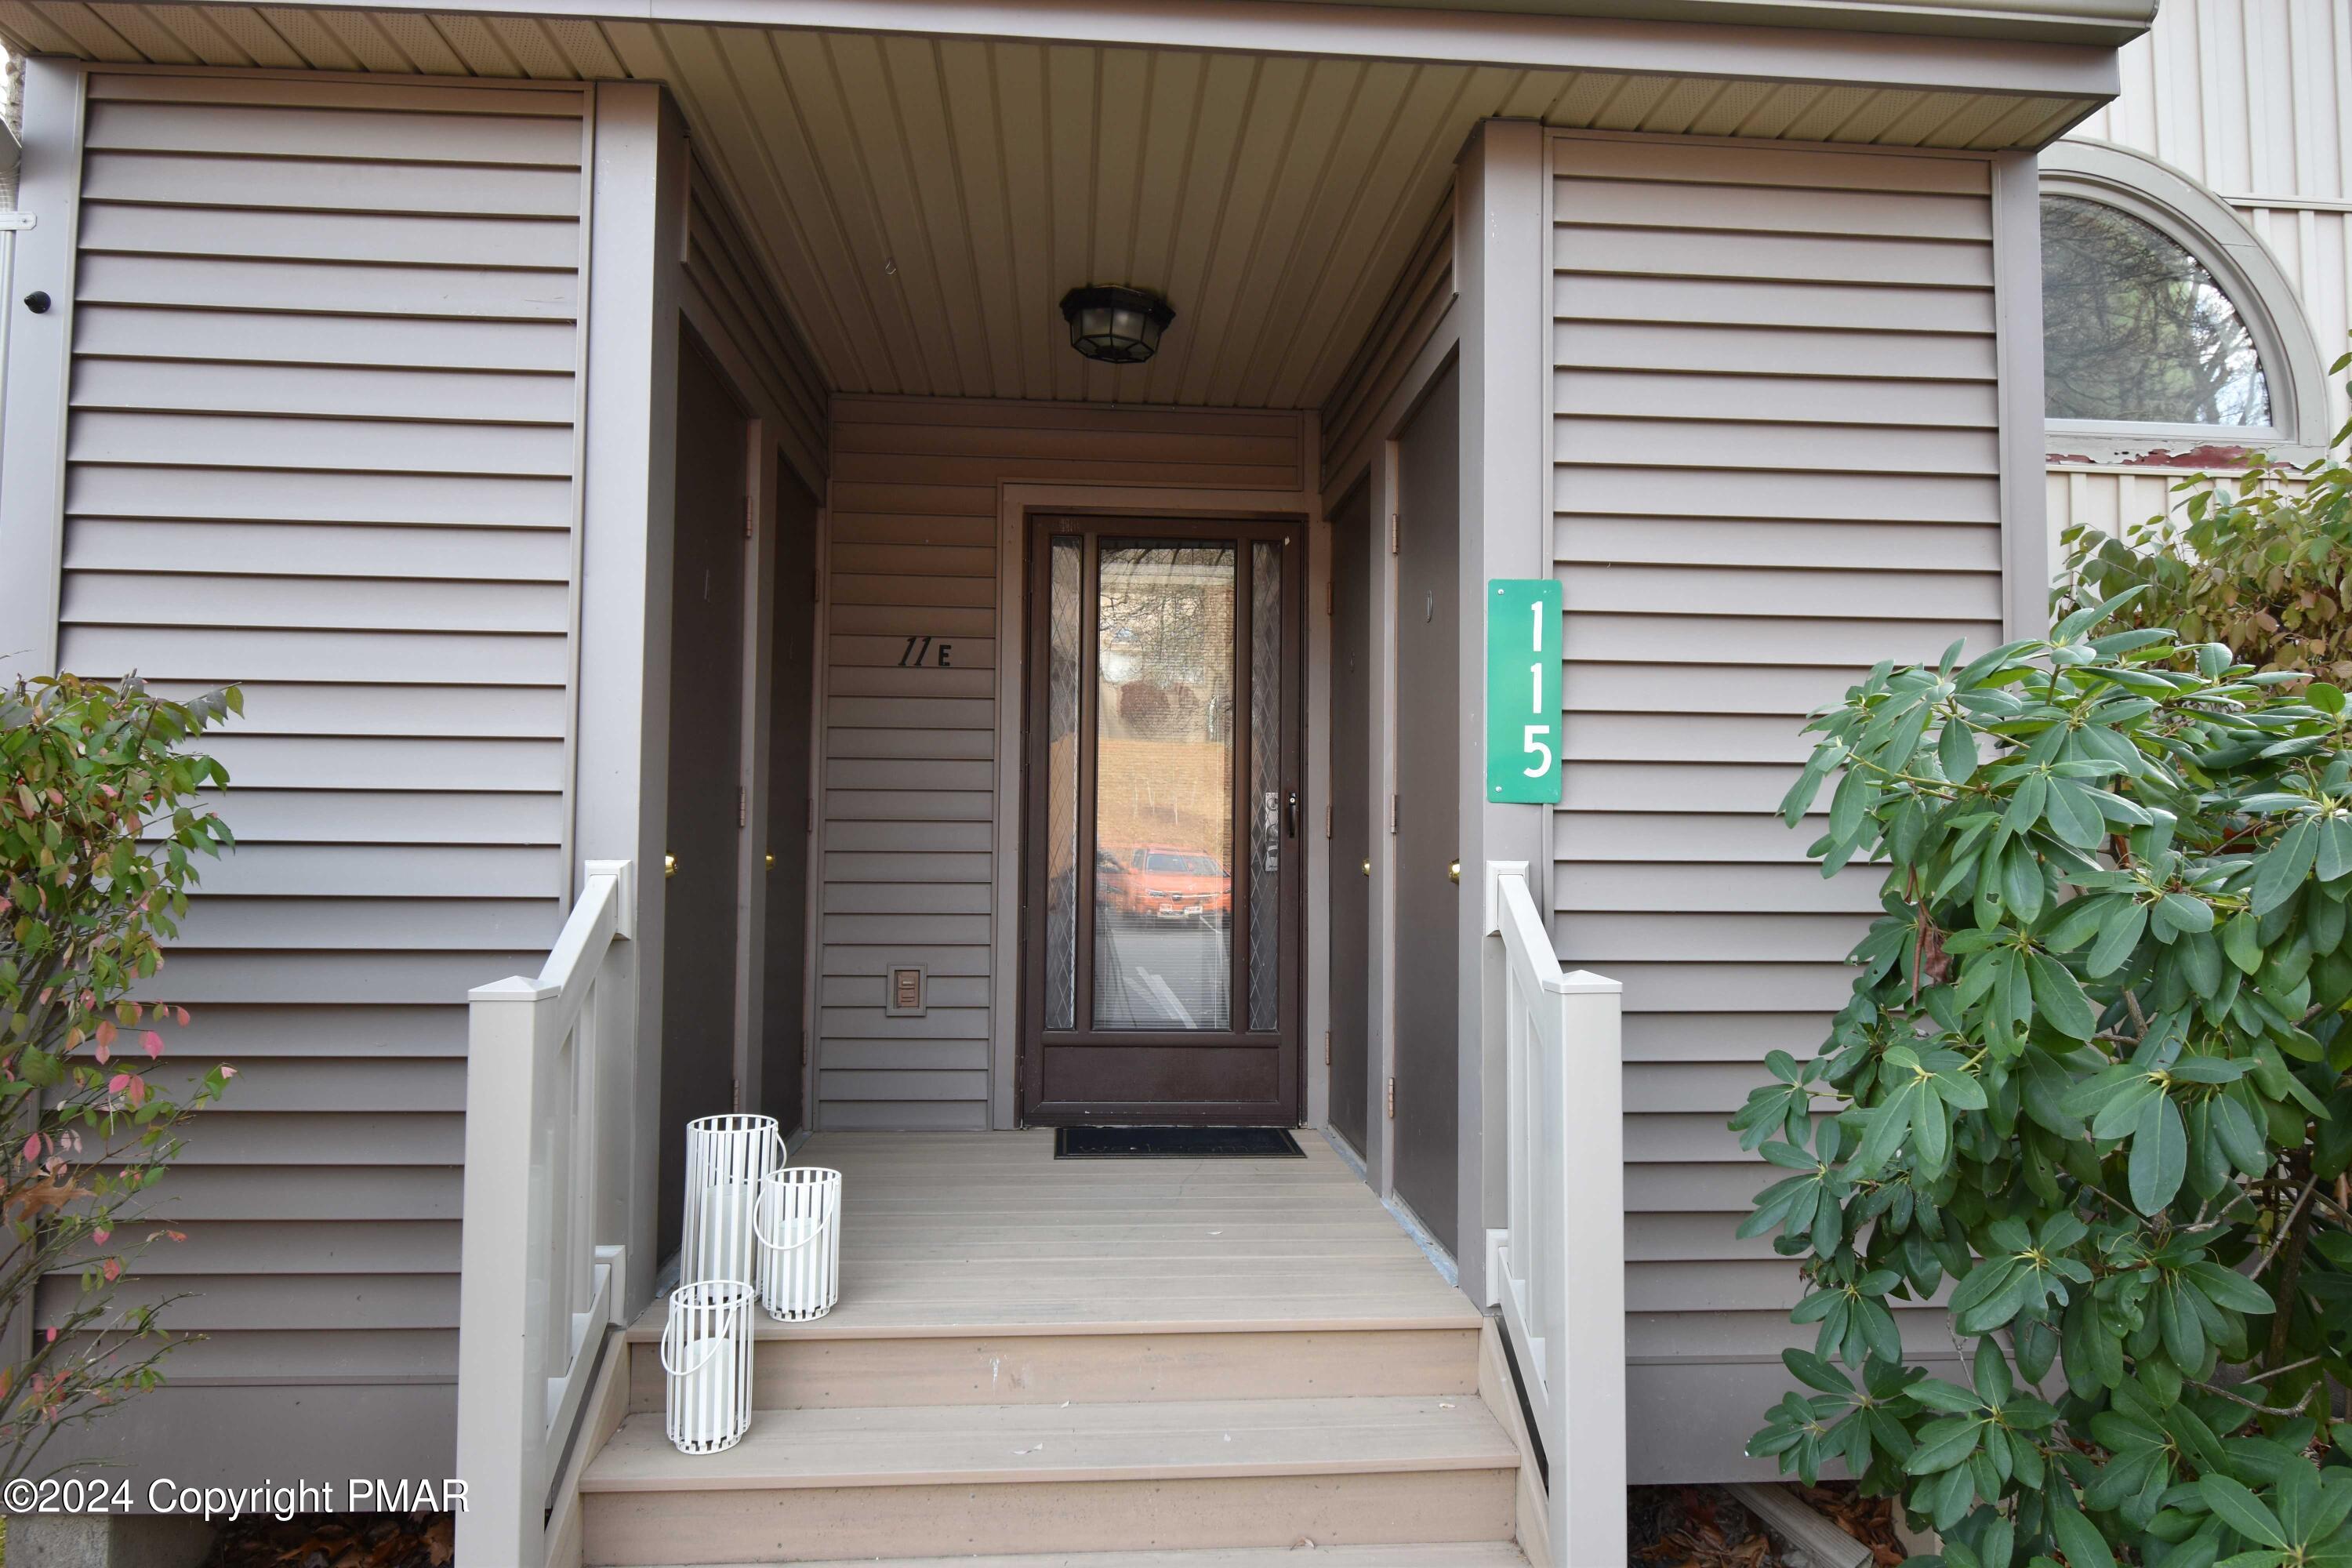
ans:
x=921 y=203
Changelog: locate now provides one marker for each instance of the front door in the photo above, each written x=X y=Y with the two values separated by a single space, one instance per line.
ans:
x=1161 y=887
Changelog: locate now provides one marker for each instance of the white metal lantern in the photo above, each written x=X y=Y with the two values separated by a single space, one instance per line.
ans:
x=725 y=1158
x=798 y=1222
x=705 y=1348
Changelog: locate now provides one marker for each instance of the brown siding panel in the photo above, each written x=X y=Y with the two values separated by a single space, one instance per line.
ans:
x=1757 y=498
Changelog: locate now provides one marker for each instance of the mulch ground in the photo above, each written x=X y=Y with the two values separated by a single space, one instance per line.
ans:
x=337 y=1541
x=1708 y=1527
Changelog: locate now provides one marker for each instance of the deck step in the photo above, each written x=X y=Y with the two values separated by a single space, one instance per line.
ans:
x=911 y=1482
x=1470 y=1554
x=1090 y=1367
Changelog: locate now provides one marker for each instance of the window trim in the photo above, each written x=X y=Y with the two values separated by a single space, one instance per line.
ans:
x=2210 y=230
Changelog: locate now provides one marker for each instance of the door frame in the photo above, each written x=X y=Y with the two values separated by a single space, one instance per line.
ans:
x=1246 y=529
x=1017 y=502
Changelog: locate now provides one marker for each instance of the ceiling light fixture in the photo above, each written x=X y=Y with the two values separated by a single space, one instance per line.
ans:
x=1116 y=325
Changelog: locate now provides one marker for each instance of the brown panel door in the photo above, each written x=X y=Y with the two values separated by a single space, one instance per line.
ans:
x=1429 y=817
x=1161 y=888
x=705 y=751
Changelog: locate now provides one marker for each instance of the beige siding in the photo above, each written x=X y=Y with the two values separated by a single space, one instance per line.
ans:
x=911 y=754
x=1754 y=503
x=321 y=443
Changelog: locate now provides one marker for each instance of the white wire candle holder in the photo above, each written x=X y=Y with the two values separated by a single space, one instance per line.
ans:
x=726 y=1157
x=705 y=1350
x=797 y=1223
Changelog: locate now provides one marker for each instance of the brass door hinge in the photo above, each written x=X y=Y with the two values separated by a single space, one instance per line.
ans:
x=1396 y=811
x=1392 y=1099
x=1396 y=529
x=1327 y=819
x=1327 y=1047
x=747 y=517
x=742 y=807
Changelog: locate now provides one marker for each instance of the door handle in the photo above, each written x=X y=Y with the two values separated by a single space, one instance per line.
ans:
x=1290 y=817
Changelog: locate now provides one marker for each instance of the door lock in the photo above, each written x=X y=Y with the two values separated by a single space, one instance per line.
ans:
x=1290 y=817
x=1454 y=871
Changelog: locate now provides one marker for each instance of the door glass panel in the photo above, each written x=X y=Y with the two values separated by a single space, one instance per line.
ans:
x=1164 y=787
x=1265 y=786
x=1066 y=638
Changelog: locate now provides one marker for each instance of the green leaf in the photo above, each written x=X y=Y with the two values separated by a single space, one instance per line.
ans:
x=2242 y=942
x=2159 y=1155
x=1985 y=1281
x=2227 y=1288
x=2058 y=997
x=1813 y=1370
x=2335 y=856
x=1888 y=1124
x=2119 y=936
x=2284 y=866
x=1990 y=1374
x=1948 y=1397
x=2187 y=913
x=2080 y=1540
x=2242 y=1510
x=2020 y=880
x=1849 y=805
x=2074 y=814
x=1944 y=1444
x=1956 y=751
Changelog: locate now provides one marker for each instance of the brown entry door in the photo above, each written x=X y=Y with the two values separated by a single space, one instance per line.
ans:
x=1160 y=895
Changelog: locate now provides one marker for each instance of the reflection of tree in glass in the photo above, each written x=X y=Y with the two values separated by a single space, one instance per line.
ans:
x=1167 y=632
x=2134 y=327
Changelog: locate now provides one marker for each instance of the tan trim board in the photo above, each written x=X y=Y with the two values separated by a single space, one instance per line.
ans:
x=1518 y=42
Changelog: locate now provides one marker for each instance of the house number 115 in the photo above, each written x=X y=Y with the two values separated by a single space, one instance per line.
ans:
x=1523 y=707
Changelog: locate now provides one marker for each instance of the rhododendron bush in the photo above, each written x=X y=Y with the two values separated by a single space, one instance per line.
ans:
x=2095 y=1081
x=100 y=828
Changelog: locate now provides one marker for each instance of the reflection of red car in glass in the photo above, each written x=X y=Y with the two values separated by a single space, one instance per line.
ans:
x=1162 y=882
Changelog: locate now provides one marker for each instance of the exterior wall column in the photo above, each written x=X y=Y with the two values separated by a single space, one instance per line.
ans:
x=1506 y=511
x=625 y=577
x=36 y=348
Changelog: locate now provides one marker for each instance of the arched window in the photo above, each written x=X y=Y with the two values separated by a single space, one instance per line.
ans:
x=2165 y=324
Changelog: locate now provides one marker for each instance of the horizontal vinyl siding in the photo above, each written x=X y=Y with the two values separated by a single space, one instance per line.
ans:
x=909 y=864
x=322 y=444
x=1759 y=494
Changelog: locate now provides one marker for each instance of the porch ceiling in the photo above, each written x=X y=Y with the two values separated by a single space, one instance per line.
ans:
x=922 y=201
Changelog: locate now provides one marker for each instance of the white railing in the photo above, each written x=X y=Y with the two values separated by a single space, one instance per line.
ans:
x=546 y=1153
x=1556 y=1269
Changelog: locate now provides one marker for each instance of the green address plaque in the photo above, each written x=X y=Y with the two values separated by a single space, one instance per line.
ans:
x=1523 y=709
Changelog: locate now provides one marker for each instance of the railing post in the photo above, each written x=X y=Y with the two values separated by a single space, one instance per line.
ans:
x=1587 y=1449
x=501 y=1349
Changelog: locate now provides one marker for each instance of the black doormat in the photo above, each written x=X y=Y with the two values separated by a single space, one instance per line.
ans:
x=1175 y=1143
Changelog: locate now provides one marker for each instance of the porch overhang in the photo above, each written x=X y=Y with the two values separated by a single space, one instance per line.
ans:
x=922 y=179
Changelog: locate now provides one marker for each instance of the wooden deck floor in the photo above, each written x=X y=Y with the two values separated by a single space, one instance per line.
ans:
x=949 y=1232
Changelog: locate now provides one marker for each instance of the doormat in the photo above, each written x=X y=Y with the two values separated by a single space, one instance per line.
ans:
x=1175 y=1143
